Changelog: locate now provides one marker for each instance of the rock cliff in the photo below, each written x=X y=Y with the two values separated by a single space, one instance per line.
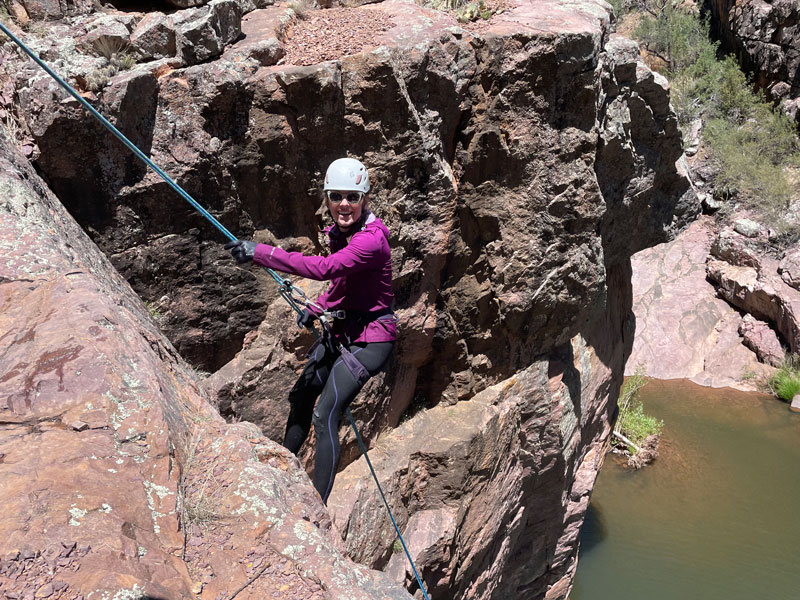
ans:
x=685 y=328
x=119 y=478
x=765 y=36
x=519 y=164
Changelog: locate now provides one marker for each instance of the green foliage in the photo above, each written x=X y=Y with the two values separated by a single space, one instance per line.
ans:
x=397 y=546
x=619 y=7
x=674 y=35
x=108 y=47
x=632 y=422
x=635 y=425
x=785 y=382
x=751 y=159
x=752 y=144
x=630 y=389
x=126 y=61
x=152 y=308
x=99 y=78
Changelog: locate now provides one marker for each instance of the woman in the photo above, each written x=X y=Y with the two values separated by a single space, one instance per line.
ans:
x=360 y=271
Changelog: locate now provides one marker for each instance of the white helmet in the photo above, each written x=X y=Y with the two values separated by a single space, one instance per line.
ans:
x=347 y=174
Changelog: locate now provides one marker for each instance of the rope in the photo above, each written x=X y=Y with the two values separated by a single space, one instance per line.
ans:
x=386 y=504
x=287 y=290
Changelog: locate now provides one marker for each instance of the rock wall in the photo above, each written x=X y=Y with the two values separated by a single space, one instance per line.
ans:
x=765 y=36
x=119 y=478
x=491 y=492
x=519 y=164
x=685 y=329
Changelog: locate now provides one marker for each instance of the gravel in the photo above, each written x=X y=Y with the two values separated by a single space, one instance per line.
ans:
x=333 y=33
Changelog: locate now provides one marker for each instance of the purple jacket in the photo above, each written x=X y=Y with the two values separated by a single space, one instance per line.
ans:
x=360 y=273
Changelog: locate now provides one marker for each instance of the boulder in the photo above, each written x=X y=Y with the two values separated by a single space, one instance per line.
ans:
x=683 y=329
x=19 y=13
x=187 y=3
x=731 y=246
x=709 y=203
x=458 y=473
x=795 y=405
x=762 y=339
x=762 y=294
x=39 y=10
x=262 y=31
x=747 y=227
x=203 y=33
x=154 y=37
x=789 y=267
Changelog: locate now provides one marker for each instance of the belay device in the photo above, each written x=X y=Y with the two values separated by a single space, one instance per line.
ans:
x=293 y=295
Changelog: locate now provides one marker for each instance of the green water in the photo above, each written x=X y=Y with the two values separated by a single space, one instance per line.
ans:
x=717 y=516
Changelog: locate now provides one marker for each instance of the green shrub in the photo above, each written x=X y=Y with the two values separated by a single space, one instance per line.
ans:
x=693 y=88
x=632 y=422
x=752 y=143
x=619 y=7
x=674 y=35
x=630 y=389
x=635 y=425
x=785 y=382
x=108 y=47
x=752 y=158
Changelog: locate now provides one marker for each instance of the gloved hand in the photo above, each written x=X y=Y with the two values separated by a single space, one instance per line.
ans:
x=305 y=318
x=242 y=250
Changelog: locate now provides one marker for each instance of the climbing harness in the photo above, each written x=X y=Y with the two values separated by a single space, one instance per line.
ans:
x=293 y=295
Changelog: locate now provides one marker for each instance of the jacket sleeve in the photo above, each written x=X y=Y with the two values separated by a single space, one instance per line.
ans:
x=361 y=253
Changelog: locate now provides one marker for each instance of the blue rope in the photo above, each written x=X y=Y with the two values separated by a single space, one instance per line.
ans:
x=389 y=510
x=285 y=284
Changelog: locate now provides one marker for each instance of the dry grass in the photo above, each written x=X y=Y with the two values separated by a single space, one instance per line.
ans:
x=199 y=505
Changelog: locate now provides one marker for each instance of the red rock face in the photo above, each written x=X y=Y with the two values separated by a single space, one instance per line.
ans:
x=118 y=476
x=517 y=170
x=491 y=492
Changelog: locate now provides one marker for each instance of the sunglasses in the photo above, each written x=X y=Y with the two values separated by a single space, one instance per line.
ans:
x=351 y=197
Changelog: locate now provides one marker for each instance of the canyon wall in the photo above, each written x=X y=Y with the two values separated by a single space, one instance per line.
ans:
x=765 y=36
x=518 y=163
x=119 y=478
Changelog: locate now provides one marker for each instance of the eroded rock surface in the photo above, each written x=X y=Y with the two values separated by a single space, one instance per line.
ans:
x=683 y=329
x=119 y=479
x=761 y=293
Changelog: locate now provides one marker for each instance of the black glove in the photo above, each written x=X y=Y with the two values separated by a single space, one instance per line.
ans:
x=305 y=318
x=242 y=250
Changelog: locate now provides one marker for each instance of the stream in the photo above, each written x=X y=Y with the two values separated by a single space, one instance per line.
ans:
x=717 y=516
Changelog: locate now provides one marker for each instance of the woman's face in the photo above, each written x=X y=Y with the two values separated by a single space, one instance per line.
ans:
x=345 y=207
